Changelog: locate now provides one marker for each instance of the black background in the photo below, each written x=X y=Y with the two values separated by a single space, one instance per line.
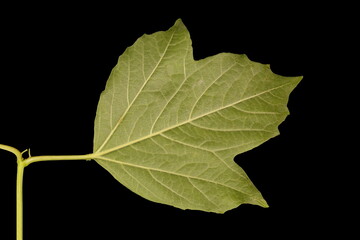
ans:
x=55 y=61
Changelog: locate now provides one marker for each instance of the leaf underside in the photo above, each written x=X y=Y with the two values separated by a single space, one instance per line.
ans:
x=168 y=127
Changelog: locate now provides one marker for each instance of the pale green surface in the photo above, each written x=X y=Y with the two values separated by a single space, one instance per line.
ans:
x=168 y=127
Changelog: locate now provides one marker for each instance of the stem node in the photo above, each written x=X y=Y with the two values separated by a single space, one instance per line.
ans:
x=21 y=164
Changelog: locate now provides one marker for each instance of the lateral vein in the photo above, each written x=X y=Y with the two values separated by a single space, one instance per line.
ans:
x=138 y=93
x=168 y=172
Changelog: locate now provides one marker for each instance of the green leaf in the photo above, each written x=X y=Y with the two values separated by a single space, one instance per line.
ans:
x=168 y=127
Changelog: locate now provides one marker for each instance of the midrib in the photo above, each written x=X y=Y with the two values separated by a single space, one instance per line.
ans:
x=102 y=153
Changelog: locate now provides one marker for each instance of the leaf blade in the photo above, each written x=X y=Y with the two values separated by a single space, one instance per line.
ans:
x=180 y=122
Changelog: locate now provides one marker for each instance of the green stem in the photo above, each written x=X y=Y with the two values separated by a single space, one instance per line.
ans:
x=21 y=164
x=12 y=150
x=60 y=157
x=19 y=189
x=19 y=200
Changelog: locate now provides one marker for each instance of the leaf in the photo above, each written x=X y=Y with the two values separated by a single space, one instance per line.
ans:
x=168 y=127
